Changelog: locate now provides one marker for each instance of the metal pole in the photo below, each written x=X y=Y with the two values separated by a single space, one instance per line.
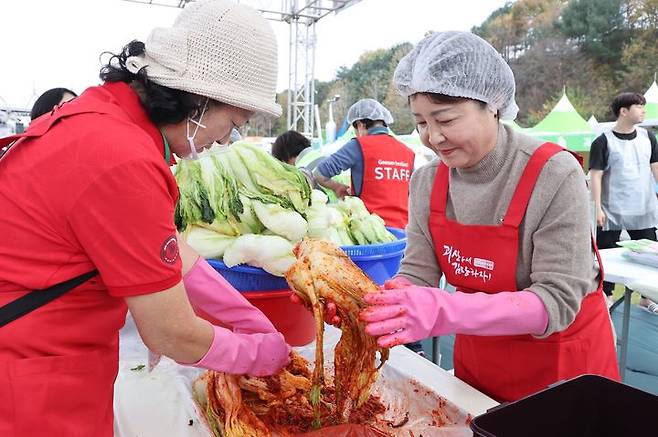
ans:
x=296 y=108
x=624 y=332
x=436 y=351
x=319 y=125
x=291 y=74
x=311 y=75
x=307 y=115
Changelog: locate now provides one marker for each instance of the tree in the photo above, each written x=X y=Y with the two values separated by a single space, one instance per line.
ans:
x=543 y=70
x=398 y=105
x=371 y=77
x=597 y=27
x=515 y=27
x=594 y=48
x=640 y=53
x=552 y=44
x=496 y=30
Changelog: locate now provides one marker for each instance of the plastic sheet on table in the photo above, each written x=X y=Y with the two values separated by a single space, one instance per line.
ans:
x=348 y=430
x=412 y=408
x=160 y=403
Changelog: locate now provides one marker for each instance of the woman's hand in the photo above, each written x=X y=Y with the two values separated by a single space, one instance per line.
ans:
x=600 y=217
x=245 y=354
x=342 y=190
x=402 y=315
x=412 y=313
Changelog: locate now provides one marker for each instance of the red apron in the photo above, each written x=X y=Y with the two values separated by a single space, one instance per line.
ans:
x=66 y=395
x=484 y=258
x=387 y=166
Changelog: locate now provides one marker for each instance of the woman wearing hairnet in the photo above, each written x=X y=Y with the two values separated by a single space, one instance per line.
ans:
x=380 y=165
x=505 y=219
x=94 y=234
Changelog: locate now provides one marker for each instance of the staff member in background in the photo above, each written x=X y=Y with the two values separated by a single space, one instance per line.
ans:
x=624 y=169
x=380 y=165
x=104 y=217
x=505 y=218
x=50 y=100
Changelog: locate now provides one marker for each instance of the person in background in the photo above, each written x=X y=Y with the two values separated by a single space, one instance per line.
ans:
x=623 y=172
x=290 y=147
x=50 y=100
x=505 y=219
x=91 y=236
x=380 y=165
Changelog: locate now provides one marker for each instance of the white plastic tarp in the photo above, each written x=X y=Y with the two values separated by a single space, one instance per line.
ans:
x=160 y=403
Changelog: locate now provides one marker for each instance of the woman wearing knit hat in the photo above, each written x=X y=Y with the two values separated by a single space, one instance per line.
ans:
x=91 y=235
x=505 y=219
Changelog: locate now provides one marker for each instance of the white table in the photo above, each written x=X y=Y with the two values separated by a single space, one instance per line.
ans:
x=160 y=403
x=633 y=276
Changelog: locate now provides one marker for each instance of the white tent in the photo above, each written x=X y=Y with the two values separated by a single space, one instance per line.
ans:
x=651 y=107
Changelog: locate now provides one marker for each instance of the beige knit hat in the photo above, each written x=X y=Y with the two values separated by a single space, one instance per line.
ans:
x=215 y=49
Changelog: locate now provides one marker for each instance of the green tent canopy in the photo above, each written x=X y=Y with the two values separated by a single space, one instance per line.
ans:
x=564 y=126
x=563 y=118
x=576 y=142
x=651 y=107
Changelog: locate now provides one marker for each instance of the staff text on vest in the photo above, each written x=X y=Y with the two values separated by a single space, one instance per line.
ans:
x=392 y=171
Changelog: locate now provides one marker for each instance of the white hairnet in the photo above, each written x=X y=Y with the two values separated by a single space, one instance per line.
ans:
x=369 y=109
x=458 y=64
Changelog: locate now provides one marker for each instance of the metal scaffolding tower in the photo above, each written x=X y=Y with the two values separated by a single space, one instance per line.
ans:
x=301 y=16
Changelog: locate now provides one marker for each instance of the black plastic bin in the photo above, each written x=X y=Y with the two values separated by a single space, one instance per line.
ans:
x=586 y=406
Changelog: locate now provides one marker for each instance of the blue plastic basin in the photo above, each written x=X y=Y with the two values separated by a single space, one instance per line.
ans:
x=379 y=261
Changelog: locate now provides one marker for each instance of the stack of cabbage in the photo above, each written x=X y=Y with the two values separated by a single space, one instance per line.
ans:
x=245 y=206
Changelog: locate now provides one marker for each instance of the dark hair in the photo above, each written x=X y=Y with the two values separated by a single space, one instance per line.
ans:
x=48 y=100
x=369 y=123
x=163 y=105
x=626 y=100
x=442 y=98
x=289 y=145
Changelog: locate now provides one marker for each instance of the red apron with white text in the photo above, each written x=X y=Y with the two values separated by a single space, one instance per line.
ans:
x=64 y=395
x=483 y=258
x=387 y=166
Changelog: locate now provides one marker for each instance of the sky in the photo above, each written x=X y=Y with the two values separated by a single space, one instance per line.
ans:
x=57 y=43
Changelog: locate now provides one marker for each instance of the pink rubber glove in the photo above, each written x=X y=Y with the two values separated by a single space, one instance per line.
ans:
x=209 y=292
x=397 y=282
x=330 y=310
x=245 y=354
x=411 y=313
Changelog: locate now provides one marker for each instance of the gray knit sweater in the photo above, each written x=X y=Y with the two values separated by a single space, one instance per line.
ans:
x=555 y=261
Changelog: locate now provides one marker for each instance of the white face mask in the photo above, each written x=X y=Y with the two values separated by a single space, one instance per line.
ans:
x=190 y=139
